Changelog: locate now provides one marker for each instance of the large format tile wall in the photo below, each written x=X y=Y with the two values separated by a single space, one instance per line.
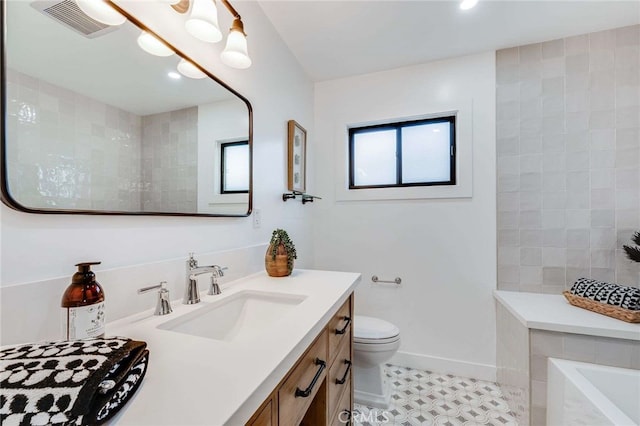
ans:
x=169 y=164
x=568 y=147
x=84 y=137
x=522 y=355
x=512 y=362
x=576 y=347
x=568 y=156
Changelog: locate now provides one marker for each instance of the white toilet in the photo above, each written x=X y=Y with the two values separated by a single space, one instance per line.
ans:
x=374 y=343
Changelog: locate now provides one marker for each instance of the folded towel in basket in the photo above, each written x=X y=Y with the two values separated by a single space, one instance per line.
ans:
x=69 y=382
x=612 y=294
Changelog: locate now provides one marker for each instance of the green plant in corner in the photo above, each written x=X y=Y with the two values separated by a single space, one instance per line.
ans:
x=633 y=253
x=280 y=237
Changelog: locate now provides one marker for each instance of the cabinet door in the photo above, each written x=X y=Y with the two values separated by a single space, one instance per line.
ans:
x=265 y=416
x=342 y=416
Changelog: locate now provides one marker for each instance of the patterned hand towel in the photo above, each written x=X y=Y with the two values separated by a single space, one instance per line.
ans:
x=69 y=382
x=612 y=294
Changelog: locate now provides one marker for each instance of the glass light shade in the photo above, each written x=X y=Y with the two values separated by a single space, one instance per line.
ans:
x=152 y=45
x=203 y=21
x=235 y=53
x=187 y=69
x=468 y=4
x=172 y=1
x=101 y=12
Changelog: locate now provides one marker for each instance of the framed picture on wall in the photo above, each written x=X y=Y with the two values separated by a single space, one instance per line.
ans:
x=297 y=157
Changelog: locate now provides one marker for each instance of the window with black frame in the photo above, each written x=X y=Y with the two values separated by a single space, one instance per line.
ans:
x=234 y=158
x=409 y=153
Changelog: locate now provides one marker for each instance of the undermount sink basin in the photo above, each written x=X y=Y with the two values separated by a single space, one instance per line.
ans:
x=237 y=317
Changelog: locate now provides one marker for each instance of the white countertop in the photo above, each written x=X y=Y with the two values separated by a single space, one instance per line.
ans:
x=196 y=381
x=554 y=313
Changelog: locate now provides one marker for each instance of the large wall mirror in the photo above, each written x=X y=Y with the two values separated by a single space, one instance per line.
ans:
x=93 y=124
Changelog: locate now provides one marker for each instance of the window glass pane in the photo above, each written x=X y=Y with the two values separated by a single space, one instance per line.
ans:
x=236 y=167
x=374 y=158
x=426 y=153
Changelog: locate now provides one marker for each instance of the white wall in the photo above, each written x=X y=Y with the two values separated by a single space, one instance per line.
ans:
x=218 y=122
x=38 y=247
x=443 y=249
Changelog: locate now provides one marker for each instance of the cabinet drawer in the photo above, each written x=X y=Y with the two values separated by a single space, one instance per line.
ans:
x=291 y=408
x=339 y=377
x=343 y=413
x=339 y=328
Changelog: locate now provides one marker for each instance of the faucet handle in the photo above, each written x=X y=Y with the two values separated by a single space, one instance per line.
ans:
x=163 y=306
x=220 y=269
x=192 y=262
x=214 y=288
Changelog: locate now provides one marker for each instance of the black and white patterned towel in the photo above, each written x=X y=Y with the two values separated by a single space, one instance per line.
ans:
x=69 y=382
x=612 y=294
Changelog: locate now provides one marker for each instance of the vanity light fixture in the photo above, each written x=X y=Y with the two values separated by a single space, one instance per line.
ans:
x=187 y=69
x=101 y=12
x=468 y=4
x=203 y=25
x=203 y=21
x=150 y=44
x=235 y=53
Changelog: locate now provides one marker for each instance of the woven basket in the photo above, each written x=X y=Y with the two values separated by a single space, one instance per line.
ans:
x=603 y=308
x=277 y=267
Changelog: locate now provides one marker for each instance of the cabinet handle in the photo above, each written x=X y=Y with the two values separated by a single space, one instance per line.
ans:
x=344 y=329
x=344 y=378
x=305 y=393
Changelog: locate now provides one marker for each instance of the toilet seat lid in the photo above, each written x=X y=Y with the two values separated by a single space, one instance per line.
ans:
x=369 y=328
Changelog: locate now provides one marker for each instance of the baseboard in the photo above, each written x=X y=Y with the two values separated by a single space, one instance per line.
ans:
x=445 y=365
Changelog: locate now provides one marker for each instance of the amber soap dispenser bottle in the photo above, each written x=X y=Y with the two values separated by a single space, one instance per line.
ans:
x=83 y=305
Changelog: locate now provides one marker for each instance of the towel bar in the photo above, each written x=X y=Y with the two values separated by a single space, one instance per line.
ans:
x=397 y=280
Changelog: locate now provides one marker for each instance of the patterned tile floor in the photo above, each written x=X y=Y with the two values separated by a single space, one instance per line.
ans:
x=421 y=397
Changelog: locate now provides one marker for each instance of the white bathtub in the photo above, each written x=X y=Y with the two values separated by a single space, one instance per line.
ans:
x=588 y=394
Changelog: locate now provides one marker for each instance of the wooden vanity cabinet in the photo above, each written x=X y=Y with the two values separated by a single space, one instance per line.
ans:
x=327 y=364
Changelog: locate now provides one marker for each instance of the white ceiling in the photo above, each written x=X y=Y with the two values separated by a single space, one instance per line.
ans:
x=333 y=39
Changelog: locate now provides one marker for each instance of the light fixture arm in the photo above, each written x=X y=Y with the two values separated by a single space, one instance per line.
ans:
x=231 y=9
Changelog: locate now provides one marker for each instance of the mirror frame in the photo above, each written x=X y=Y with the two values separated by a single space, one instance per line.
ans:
x=5 y=195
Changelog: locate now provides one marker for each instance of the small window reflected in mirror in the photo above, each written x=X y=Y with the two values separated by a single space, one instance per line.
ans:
x=234 y=167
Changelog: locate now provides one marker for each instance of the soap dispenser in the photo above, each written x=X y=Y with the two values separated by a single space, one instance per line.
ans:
x=83 y=305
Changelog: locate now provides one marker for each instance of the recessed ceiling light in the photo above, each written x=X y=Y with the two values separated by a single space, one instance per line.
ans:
x=174 y=75
x=468 y=4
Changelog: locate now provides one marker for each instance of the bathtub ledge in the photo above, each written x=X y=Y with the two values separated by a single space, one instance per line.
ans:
x=552 y=312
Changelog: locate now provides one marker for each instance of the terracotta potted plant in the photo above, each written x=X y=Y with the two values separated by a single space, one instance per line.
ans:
x=278 y=261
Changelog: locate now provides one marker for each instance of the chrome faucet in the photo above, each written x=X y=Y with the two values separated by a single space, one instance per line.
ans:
x=191 y=293
x=163 y=306
x=214 y=288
